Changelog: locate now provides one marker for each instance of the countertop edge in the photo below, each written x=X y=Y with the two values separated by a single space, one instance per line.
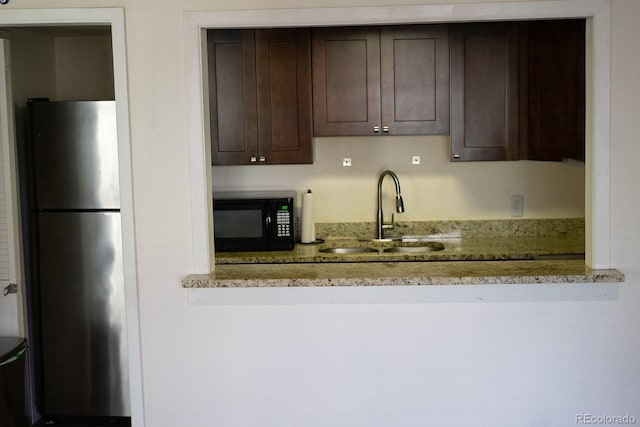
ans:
x=401 y=274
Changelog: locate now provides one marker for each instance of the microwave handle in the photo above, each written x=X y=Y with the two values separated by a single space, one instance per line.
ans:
x=267 y=221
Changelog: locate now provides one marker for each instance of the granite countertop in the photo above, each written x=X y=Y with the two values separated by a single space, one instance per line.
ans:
x=399 y=274
x=470 y=252
x=475 y=240
x=454 y=249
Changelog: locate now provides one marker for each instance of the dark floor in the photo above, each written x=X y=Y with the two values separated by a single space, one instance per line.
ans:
x=84 y=422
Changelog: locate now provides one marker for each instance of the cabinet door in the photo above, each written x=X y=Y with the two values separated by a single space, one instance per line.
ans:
x=414 y=62
x=283 y=58
x=232 y=96
x=484 y=91
x=346 y=81
x=556 y=117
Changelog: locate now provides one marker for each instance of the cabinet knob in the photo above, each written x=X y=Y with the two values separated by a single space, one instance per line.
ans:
x=263 y=159
x=376 y=129
x=456 y=155
x=385 y=129
x=254 y=159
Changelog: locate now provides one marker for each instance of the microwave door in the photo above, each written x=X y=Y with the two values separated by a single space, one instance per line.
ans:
x=241 y=227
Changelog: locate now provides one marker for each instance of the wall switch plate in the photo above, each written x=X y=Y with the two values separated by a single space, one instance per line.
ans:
x=346 y=161
x=517 y=205
x=415 y=160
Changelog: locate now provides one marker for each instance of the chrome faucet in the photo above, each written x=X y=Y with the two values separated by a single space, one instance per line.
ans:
x=399 y=202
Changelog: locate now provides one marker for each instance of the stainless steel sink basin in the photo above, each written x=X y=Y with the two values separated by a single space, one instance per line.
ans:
x=384 y=240
x=348 y=250
x=415 y=249
x=392 y=247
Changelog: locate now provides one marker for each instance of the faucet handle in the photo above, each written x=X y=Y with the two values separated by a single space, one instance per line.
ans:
x=389 y=226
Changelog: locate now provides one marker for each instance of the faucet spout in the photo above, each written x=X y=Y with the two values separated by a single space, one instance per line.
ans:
x=399 y=202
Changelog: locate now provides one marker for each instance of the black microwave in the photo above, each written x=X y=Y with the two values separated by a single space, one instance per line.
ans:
x=253 y=221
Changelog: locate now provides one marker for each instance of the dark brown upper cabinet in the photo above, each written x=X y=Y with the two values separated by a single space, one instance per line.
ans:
x=260 y=96
x=556 y=90
x=380 y=80
x=485 y=67
x=518 y=90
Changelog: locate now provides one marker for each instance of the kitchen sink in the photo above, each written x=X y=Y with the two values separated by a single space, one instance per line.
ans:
x=348 y=250
x=431 y=247
x=402 y=239
x=390 y=247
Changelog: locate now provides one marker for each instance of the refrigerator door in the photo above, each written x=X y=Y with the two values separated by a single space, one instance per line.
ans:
x=85 y=370
x=75 y=153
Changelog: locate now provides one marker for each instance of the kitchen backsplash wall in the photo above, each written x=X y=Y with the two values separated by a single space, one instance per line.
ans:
x=434 y=190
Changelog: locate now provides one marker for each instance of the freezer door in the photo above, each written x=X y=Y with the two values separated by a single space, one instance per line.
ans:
x=75 y=154
x=84 y=352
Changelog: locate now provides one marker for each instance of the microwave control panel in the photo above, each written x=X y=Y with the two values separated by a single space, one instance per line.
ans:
x=283 y=222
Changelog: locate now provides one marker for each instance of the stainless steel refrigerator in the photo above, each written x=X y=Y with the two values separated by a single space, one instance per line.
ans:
x=83 y=367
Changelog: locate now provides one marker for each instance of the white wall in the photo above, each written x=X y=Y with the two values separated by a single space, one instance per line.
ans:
x=523 y=361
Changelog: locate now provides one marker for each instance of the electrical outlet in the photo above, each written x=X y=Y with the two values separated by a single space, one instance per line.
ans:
x=517 y=205
x=346 y=162
x=415 y=160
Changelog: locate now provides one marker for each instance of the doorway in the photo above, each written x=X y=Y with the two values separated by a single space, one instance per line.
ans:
x=61 y=39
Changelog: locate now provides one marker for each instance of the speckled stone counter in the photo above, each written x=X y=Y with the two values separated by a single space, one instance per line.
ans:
x=461 y=240
x=455 y=249
x=473 y=252
x=400 y=274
